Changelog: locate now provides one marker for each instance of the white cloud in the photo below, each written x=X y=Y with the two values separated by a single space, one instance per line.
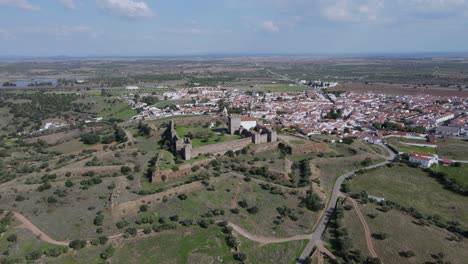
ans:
x=126 y=8
x=269 y=26
x=70 y=4
x=23 y=4
x=353 y=10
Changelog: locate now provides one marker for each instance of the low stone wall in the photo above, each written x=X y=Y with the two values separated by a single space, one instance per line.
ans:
x=132 y=207
x=183 y=170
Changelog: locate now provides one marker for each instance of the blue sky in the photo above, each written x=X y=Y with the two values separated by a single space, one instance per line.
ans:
x=185 y=27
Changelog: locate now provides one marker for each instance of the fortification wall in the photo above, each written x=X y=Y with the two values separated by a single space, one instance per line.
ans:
x=183 y=170
x=222 y=148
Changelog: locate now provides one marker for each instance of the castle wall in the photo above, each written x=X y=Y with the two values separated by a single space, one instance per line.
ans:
x=222 y=148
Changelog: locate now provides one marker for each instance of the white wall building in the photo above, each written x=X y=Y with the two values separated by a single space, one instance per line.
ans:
x=248 y=122
x=425 y=160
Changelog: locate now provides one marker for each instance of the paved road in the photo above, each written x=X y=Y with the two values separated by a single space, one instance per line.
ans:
x=317 y=235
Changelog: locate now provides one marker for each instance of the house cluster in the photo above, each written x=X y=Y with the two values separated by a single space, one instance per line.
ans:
x=313 y=112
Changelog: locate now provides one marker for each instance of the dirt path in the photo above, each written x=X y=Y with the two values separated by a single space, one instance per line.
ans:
x=367 y=231
x=265 y=240
x=26 y=224
x=235 y=198
x=129 y=136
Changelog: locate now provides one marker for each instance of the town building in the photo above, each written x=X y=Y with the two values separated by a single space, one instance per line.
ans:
x=237 y=123
x=424 y=159
x=448 y=130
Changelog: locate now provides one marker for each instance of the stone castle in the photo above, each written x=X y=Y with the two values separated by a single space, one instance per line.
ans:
x=245 y=126
x=249 y=126
x=181 y=146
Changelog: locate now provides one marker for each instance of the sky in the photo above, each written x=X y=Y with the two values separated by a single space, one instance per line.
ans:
x=203 y=27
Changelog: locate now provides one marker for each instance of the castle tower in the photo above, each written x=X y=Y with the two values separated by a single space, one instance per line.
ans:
x=234 y=123
x=272 y=136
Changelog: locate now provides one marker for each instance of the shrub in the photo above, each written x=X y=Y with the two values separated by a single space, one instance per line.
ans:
x=348 y=140
x=380 y=236
x=55 y=251
x=34 y=255
x=122 y=224
x=90 y=138
x=253 y=210
x=407 y=254
x=99 y=219
x=147 y=230
x=12 y=238
x=240 y=257
x=243 y=204
x=51 y=199
x=77 y=244
x=20 y=198
x=108 y=253
x=103 y=240
x=143 y=208
x=125 y=170
x=131 y=231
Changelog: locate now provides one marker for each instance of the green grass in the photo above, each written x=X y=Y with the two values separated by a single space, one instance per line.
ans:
x=210 y=135
x=187 y=245
x=272 y=253
x=231 y=189
x=412 y=187
x=453 y=149
x=182 y=246
x=409 y=149
x=102 y=107
x=25 y=244
x=457 y=174
x=124 y=114
x=398 y=143
x=296 y=142
x=404 y=235
x=70 y=146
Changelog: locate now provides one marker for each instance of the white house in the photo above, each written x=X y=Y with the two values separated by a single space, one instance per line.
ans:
x=424 y=159
x=444 y=118
x=132 y=88
x=248 y=122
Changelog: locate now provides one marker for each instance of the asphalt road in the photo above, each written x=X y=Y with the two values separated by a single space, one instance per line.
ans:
x=317 y=235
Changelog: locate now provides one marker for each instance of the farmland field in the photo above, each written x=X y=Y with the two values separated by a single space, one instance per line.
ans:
x=452 y=149
x=457 y=174
x=412 y=187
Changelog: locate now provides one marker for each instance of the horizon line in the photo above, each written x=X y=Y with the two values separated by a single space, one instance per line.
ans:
x=245 y=54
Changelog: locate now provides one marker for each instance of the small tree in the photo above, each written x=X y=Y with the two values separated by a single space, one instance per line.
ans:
x=77 y=244
x=240 y=257
x=12 y=238
x=407 y=254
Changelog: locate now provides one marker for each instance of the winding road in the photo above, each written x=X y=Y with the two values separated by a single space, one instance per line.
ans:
x=314 y=238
